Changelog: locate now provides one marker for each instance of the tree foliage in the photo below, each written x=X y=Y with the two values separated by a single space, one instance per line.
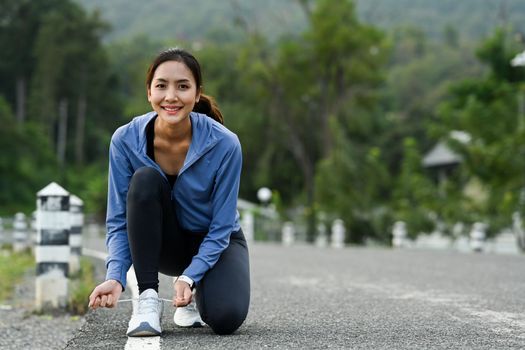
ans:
x=487 y=109
x=330 y=71
x=61 y=90
x=72 y=67
x=26 y=163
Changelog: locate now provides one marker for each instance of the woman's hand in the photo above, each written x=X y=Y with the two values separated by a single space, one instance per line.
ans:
x=105 y=294
x=182 y=295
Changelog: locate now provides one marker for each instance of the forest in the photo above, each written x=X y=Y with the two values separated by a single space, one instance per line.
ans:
x=336 y=103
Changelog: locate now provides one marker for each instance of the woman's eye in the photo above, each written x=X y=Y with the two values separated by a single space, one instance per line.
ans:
x=159 y=86
x=183 y=86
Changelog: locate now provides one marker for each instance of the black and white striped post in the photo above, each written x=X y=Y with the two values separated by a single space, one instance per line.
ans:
x=52 y=251
x=76 y=212
x=20 y=236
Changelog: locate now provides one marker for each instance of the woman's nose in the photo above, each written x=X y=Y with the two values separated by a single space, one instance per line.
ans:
x=171 y=94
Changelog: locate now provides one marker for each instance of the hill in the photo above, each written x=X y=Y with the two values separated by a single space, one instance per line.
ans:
x=225 y=20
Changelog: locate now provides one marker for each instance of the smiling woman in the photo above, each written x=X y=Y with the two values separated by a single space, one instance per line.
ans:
x=203 y=103
x=173 y=93
x=174 y=178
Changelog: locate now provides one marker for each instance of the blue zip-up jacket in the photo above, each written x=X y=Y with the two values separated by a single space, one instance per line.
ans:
x=205 y=192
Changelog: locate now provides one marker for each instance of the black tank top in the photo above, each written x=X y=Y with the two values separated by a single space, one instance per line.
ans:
x=150 y=150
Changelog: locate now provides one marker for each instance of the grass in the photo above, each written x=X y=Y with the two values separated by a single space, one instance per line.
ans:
x=81 y=286
x=13 y=266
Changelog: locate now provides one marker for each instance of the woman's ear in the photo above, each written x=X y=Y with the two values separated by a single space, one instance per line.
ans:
x=149 y=94
x=198 y=96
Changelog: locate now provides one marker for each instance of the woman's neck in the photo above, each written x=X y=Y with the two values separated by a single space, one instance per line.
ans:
x=173 y=133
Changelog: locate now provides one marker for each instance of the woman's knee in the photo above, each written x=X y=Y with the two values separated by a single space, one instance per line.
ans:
x=144 y=185
x=223 y=295
x=226 y=321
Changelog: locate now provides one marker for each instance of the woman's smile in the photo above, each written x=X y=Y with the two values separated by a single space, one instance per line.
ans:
x=172 y=110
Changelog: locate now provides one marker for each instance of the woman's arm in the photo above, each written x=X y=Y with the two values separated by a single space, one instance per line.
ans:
x=224 y=210
x=120 y=172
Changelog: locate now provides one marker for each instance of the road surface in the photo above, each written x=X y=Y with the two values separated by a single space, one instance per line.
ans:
x=304 y=297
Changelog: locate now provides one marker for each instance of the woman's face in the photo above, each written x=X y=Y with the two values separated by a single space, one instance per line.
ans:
x=173 y=91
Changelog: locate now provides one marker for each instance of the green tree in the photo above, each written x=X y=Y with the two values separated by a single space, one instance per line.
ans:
x=73 y=92
x=226 y=80
x=57 y=80
x=416 y=83
x=486 y=108
x=414 y=194
x=20 y=22
x=352 y=184
x=130 y=60
x=27 y=163
x=333 y=68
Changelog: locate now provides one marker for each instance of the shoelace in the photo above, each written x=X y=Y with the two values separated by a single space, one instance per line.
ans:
x=133 y=299
x=148 y=305
x=190 y=307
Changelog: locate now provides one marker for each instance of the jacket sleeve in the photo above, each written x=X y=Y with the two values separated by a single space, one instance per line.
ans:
x=224 y=210
x=119 y=256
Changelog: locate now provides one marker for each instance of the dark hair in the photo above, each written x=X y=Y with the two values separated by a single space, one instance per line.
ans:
x=206 y=104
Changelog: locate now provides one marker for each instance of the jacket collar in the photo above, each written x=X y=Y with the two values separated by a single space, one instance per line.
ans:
x=202 y=139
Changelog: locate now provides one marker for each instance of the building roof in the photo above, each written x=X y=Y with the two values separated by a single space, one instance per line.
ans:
x=440 y=155
x=53 y=189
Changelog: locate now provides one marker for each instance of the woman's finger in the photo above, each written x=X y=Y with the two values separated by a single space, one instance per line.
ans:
x=96 y=302
x=103 y=301
x=187 y=295
x=92 y=297
x=109 y=302
x=179 y=302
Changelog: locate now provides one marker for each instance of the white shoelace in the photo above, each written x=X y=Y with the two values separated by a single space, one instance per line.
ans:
x=148 y=305
x=133 y=299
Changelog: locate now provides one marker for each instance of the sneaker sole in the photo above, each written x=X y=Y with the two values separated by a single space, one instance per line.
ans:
x=144 y=330
x=195 y=324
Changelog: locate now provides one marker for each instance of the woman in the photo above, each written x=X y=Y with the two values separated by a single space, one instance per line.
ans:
x=173 y=184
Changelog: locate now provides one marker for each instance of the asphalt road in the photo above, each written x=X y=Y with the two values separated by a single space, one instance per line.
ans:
x=305 y=297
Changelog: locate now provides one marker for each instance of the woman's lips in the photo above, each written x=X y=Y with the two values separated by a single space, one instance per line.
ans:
x=172 y=109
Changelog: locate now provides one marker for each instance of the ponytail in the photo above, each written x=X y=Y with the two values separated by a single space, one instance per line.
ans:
x=208 y=106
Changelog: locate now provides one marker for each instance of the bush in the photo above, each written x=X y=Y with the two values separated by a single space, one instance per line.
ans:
x=81 y=286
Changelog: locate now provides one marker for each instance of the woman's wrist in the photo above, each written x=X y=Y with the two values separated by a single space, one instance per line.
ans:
x=186 y=279
x=115 y=283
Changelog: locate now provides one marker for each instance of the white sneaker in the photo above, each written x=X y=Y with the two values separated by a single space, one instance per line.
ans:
x=188 y=316
x=145 y=320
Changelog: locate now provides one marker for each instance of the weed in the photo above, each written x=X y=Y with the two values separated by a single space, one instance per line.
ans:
x=13 y=266
x=81 y=287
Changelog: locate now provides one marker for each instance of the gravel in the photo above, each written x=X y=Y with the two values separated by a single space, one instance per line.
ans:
x=22 y=328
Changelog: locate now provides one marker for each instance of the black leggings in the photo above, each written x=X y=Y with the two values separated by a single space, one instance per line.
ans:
x=158 y=244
